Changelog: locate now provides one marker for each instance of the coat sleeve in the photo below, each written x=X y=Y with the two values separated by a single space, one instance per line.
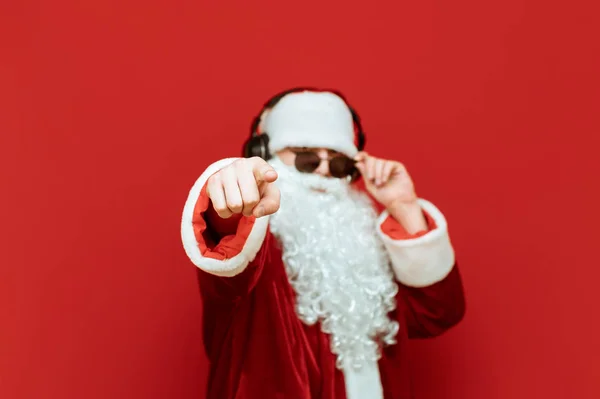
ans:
x=229 y=254
x=431 y=292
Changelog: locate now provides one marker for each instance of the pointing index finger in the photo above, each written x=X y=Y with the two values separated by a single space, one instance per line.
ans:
x=263 y=172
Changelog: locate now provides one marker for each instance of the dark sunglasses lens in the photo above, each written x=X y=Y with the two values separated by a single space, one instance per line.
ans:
x=341 y=166
x=307 y=162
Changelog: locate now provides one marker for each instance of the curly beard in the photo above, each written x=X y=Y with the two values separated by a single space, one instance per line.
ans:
x=336 y=263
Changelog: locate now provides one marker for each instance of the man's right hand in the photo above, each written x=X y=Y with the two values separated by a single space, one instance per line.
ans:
x=245 y=187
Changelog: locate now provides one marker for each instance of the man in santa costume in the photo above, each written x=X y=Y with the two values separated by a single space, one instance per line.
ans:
x=307 y=292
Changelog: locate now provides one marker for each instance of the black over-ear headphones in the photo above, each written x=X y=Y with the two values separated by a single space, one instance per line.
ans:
x=257 y=145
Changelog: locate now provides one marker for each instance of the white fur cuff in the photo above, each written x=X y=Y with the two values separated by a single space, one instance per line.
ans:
x=425 y=260
x=193 y=244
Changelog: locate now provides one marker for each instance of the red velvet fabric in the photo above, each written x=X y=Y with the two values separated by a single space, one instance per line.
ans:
x=219 y=242
x=394 y=230
x=259 y=349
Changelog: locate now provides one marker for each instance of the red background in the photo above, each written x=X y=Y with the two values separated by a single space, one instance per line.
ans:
x=109 y=110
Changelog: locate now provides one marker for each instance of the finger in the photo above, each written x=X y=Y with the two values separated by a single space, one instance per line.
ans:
x=214 y=190
x=362 y=169
x=233 y=197
x=370 y=169
x=361 y=156
x=263 y=172
x=379 y=164
x=248 y=190
x=387 y=171
x=269 y=203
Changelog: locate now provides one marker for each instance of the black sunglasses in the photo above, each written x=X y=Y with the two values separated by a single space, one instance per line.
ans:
x=340 y=165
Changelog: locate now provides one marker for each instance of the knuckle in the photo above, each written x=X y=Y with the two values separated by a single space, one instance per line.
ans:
x=220 y=209
x=229 y=171
x=244 y=167
x=257 y=162
x=214 y=179
x=251 y=201
x=235 y=206
x=238 y=163
x=223 y=213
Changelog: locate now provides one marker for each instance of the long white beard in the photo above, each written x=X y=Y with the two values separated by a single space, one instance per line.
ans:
x=336 y=263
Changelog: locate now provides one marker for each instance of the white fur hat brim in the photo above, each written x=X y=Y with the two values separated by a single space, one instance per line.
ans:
x=311 y=119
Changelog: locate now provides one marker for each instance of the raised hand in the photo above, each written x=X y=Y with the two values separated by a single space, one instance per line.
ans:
x=391 y=185
x=244 y=187
x=387 y=181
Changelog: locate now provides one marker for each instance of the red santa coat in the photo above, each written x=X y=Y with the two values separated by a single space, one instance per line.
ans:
x=257 y=346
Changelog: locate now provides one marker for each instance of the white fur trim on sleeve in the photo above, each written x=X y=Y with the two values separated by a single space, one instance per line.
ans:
x=228 y=267
x=425 y=260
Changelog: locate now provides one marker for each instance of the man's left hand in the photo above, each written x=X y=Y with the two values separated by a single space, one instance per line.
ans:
x=391 y=185
x=387 y=181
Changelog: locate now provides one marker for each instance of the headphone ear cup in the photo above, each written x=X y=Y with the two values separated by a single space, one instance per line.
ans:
x=361 y=141
x=257 y=146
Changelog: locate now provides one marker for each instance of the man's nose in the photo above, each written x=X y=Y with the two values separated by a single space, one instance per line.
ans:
x=323 y=168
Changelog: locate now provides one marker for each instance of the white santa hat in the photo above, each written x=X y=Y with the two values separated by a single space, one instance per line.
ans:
x=311 y=119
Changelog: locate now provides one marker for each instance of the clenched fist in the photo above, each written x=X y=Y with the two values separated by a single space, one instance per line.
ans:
x=244 y=187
